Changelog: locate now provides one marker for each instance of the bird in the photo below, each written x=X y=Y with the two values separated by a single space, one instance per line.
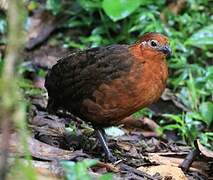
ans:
x=103 y=85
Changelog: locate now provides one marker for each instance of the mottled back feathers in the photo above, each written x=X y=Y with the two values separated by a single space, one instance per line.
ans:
x=75 y=77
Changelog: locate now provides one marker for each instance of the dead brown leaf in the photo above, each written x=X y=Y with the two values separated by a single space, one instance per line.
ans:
x=46 y=56
x=108 y=166
x=143 y=123
x=163 y=159
x=204 y=151
x=169 y=95
x=41 y=25
x=167 y=171
x=45 y=174
x=41 y=150
x=125 y=145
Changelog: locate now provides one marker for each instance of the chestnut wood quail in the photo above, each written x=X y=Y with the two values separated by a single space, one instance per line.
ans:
x=103 y=85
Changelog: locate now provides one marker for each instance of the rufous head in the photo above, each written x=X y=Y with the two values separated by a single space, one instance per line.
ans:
x=153 y=45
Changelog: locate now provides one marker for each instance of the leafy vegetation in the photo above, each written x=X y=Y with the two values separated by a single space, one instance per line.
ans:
x=78 y=171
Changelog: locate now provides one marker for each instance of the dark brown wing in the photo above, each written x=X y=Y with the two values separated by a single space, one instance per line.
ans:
x=75 y=77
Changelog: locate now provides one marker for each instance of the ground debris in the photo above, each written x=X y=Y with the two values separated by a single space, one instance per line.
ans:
x=42 y=150
x=65 y=137
x=166 y=171
x=45 y=56
x=40 y=26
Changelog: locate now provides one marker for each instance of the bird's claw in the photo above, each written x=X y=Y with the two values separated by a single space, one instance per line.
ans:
x=111 y=158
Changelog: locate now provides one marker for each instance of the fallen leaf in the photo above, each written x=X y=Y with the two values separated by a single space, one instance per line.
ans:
x=164 y=159
x=144 y=123
x=129 y=148
x=124 y=145
x=48 y=168
x=41 y=150
x=174 y=107
x=108 y=166
x=40 y=26
x=46 y=56
x=206 y=152
x=167 y=171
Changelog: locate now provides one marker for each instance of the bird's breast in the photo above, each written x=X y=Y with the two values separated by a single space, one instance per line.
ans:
x=123 y=96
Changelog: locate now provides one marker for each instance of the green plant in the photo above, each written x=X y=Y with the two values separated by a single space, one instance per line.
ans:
x=207 y=139
x=119 y=9
x=54 y=6
x=28 y=88
x=1 y=65
x=145 y=112
x=78 y=170
x=187 y=126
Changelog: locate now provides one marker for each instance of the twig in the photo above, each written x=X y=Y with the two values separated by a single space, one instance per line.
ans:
x=137 y=172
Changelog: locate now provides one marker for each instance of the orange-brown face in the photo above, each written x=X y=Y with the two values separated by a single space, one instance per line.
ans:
x=154 y=45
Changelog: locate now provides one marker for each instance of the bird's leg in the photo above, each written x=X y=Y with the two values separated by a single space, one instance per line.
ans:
x=100 y=133
x=103 y=133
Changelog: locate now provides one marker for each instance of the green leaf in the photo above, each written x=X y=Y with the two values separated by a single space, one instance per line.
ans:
x=1 y=65
x=145 y=112
x=172 y=127
x=176 y=118
x=203 y=38
x=119 y=9
x=107 y=176
x=54 y=6
x=89 y=5
x=193 y=95
x=206 y=110
x=206 y=139
x=78 y=170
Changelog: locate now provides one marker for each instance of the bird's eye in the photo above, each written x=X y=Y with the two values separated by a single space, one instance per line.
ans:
x=153 y=43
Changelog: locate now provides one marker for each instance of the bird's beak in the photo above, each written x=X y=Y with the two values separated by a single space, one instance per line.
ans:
x=166 y=50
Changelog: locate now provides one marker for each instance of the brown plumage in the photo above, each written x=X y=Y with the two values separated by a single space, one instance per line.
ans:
x=106 y=84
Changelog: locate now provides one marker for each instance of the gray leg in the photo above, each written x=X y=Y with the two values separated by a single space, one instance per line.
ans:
x=101 y=136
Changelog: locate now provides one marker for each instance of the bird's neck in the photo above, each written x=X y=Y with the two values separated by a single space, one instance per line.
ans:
x=135 y=50
x=152 y=65
x=144 y=55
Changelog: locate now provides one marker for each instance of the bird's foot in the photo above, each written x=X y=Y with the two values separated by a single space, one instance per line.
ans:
x=102 y=139
x=111 y=158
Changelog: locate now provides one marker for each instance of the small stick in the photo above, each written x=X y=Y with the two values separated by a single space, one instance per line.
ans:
x=137 y=172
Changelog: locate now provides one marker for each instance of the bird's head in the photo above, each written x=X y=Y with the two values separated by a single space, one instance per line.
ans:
x=153 y=45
